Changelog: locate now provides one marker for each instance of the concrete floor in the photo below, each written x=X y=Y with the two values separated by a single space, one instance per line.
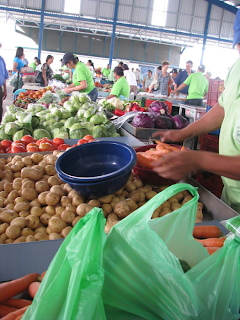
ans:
x=9 y=99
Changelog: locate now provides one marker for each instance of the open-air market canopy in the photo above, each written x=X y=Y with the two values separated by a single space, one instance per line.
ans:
x=135 y=30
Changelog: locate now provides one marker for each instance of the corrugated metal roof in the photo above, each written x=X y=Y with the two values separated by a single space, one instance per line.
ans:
x=54 y=5
x=106 y=10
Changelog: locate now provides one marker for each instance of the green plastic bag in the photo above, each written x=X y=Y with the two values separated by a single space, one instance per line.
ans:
x=143 y=276
x=71 y=288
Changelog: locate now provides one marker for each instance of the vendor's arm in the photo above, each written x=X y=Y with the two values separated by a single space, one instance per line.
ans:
x=15 y=64
x=211 y=121
x=107 y=90
x=171 y=80
x=150 y=88
x=143 y=83
x=176 y=165
x=72 y=87
x=111 y=96
x=44 y=75
x=182 y=86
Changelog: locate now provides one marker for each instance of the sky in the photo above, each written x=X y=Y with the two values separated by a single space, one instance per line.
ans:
x=216 y=59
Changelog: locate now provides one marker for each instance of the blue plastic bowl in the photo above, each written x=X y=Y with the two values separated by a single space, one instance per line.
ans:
x=100 y=188
x=95 y=162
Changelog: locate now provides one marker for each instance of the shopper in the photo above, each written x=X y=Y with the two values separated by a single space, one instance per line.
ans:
x=131 y=79
x=198 y=87
x=121 y=88
x=138 y=76
x=3 y=86
x=82 y=77
x=33 y=64
x=17 y=61
x=120 y=64
x=208 y=75
x=224 y=114
x=38 y=66
x=164 y=80
x=91 y=66
x=47 y=71
x=182 y=76
x=106 y=71
x=30 y=76
x=174 y=73
x=147 y=81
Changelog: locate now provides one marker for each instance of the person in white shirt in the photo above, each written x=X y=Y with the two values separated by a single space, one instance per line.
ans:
x=91 y=66
x=138 y=76
x=131 y=79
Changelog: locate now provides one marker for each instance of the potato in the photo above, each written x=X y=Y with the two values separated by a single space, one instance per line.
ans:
x=145 y=189
x=54 y=236
x=130 y=186
x=2 y=175
x=114 y=201
x=8 y=215
x=137 y=182
x=30 y=238
x=20 y=164
x=165 y=211
x=51 y=159
x=186 y=199
x=112 y=217
x=52 y=198
x=66 y=231
x=166 y=204
x=65 y=201
x=106 y=199
x=20 y=239
x=19 y=221
x=119 y=192
x=71 y=207
x=31 y=173
x=44 y=218
x=94 y=203
x=199 y=214
x=173 y=200
x=2 y=202
x=23 y=214
x=137 y=196
x=58 y=190
x=26 y=232
x=42 y=186
x=15 y=168
x=124 y=194
x=121 y=197
x=8 y=241
x=175 y=206
x=179 y=196
x=32 y=222
x=56 y=224
x=3 y=194
x=68 y=216
x=27 y=161
x=50 y=210
x=6 y=202
x=3 y=236
x=131 y=204
x=50 y=170
x=1 y=241
x=16 y=174
x=59 y=210
x=35 y=203
x=28 y=184
x=17 y=185
x=42 y=198
x=1 y=185
x=121 y=209
x=150 y=194
x=83 y=209
x=3 y=227
x=73 y=194
x=109 y=226
x=36 y=211
x=76 y=201
x=29 y=194
x=41 y=236
x=40 y=230
x=36 y=158
x=53 y=181
x=107 y=209
x=67 y=188
x=16 y=158
x=40 y=168
x=156 y=212
x=8 y=187
x=21 y=206
x=76 y=220
x=13 y=232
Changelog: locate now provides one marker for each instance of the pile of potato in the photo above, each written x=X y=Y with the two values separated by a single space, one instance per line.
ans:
x=36 y=205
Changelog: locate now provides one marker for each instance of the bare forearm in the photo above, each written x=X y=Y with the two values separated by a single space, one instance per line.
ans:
x=182 y=86
x=82 y=86
x=111 y=96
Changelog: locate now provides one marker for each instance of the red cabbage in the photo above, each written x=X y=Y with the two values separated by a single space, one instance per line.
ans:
x=143 y=120
x=179 y=121
x=159 y=107
x=163 y=122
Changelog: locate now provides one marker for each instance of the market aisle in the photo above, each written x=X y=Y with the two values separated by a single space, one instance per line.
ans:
x=9 y=99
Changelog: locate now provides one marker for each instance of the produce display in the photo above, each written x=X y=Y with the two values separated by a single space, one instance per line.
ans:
x=120 y=107
x=30 y=96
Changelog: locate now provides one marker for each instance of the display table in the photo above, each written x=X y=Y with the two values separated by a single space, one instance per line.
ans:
x=32 y=86
x=195 y=112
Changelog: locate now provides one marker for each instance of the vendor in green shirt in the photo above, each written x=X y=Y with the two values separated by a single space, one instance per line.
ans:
x=33 y=64
x=121 y=88
x=225 y=114
x=106 y=71
x=82 y=77
x=198 y=87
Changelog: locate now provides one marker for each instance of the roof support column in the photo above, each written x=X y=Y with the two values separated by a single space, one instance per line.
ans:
x=41 y=30
x=113 y=33
x=206 y=30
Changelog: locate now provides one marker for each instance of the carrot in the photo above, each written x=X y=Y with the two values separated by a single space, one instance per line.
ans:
x=19 y=317
x=144 y=162
x=211 y=250
x=4 y=310
x=161 y=144
x=33 y=288
x=183 y=148
x=16 y=303
x=43 y=274
x=206 y=231
x=15 y=314
x=14 y=287
x=212 y=242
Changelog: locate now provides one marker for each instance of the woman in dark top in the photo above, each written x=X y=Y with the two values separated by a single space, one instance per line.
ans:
x=47 y=72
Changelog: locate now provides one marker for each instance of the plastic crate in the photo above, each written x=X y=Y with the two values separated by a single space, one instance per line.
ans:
x=216 y=132
x=209 y=143
x=148 y=102
x=210 y=181
x=215 y=89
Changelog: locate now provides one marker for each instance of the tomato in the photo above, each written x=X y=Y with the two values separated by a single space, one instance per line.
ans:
x=6 y=143
x=55 y=146
x=92 y=140
x=32 y=148
x=34 y=96
x=63 y=147
x=43 y=140
x=88 y=137
x=37 y=93
x=27 y=139
x=58 y=141
x=40 y=96
x=17 y=142
x=46 y=146
x=18 y=148
x=8 y=149
x=75 y=145
x=81 y=141
x=2 y=151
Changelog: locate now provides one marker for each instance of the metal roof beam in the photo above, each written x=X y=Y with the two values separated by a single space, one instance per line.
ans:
x=113 y=32
x=206 y=30
x=223 y=5
x=41 y=30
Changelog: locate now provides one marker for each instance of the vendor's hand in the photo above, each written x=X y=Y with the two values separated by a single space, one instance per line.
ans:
x=4 y=95
x=107 y=90
x=67 y=90
x=175 y=92
x=169 y=135
x=177 y=165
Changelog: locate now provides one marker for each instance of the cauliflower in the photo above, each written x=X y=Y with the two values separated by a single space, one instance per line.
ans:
x=102 y=102
x=117 y=103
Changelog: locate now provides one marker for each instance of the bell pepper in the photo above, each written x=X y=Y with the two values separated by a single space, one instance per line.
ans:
x=119 y=112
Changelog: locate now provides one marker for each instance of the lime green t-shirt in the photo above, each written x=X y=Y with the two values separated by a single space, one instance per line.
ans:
x=82 y=72
x=229 y=139
x=121 y=87
x=33 y=65
x=198 y=85
x=106 y=72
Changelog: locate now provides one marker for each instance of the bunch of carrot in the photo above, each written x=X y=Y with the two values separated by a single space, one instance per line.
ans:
x=146 y=158
x=13 y=309
x=209 y=237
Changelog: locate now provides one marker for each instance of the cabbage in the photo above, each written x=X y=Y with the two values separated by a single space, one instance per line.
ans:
x=41 y=133
x=78 y=133
x=80 y=113
x=11 y=128
x=57 y=125
x=32 y=120
x=143 y=120
x=40 y=107
x=60 y=133
x=83 y=97
x=42 y=113
x=9 y=118
x=110 y=128
x=56 y=112
x=99 y=132
x=12 y=109
x=20 y=133
x=88 y=113
x=69 y=122
x=74 y=99
x=53 y=105
x=163 y=122
x=50 y=116
x=179 y=121
x=159 y=107
x=3 y=135
x=65 y=114
x=73 y=109
x=76 y=126
x=96 y=119
x=87 y=125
